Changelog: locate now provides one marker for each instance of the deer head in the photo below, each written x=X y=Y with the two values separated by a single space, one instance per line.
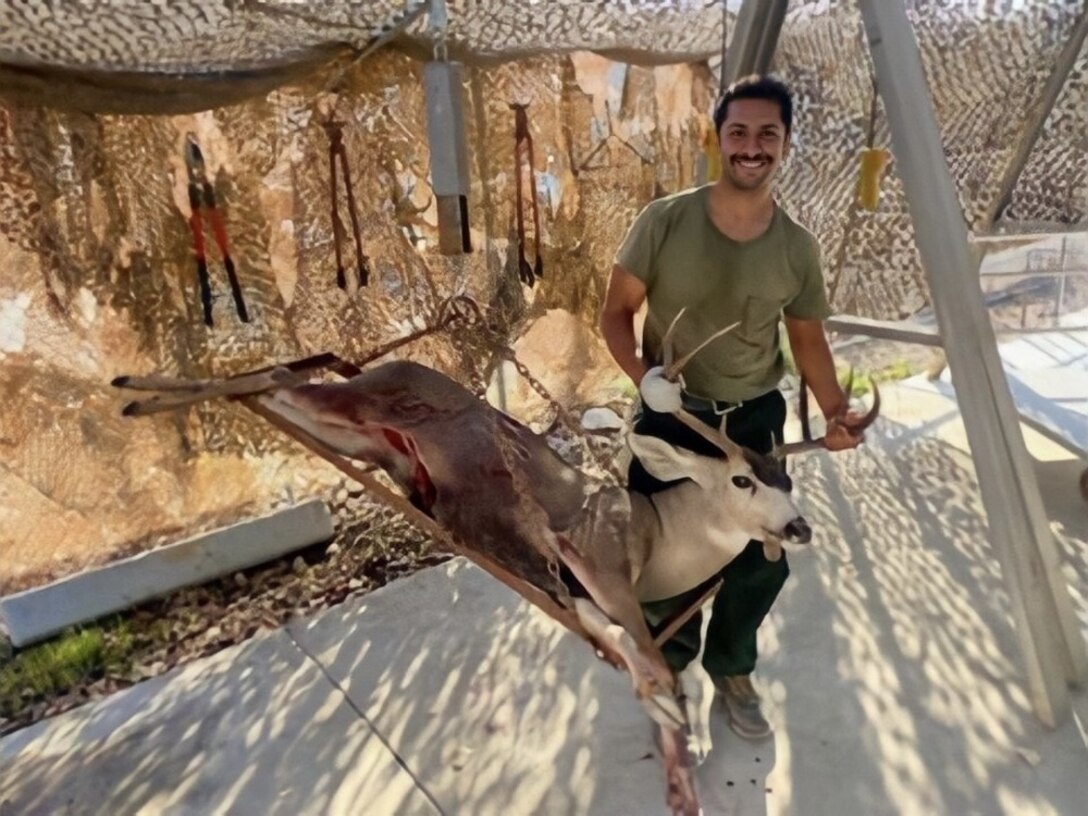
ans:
x=750 y=492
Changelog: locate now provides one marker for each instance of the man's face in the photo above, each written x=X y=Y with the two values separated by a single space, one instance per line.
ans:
x=754 y=141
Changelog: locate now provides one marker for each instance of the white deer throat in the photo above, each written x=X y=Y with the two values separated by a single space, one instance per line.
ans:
x=688 y=549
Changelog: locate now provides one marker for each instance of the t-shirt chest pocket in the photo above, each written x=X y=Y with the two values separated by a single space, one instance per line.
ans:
x=761 y=308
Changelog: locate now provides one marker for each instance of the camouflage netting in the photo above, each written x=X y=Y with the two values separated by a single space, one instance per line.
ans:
x=96 y=267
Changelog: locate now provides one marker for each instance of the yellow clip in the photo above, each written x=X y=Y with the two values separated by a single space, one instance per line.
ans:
x=873 y=162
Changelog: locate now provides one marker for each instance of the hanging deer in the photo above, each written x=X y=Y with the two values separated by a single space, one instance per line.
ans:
x=500 y=490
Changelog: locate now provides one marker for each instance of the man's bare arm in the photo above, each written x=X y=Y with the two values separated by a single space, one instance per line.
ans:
x=622 y=301
x=813 y=357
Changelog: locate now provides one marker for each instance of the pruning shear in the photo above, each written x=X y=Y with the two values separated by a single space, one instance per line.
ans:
x=202 y=197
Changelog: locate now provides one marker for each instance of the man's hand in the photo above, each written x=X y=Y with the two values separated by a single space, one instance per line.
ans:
x=659 y=393
x=842 y=433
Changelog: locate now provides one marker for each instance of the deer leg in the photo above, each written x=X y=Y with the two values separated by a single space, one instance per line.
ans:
x=179 y=393
x=680 y=794
x=662 y=708
x=605 y=572
x=661 y=705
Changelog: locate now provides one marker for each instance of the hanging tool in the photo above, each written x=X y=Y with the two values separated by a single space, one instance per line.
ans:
x=337 y=150
x=443 y=82
x=523 y=159
x=202 y=197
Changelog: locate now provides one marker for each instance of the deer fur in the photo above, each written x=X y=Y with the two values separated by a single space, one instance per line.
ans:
x=500 y=489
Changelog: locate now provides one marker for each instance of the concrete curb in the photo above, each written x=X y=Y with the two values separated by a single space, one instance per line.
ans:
x=38 y=613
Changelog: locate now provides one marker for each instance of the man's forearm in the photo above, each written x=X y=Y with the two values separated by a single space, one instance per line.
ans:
x=817 y=366
x=618 y=330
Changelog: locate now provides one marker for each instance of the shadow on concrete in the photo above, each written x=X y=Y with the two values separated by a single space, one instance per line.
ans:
x=254 y=730
x=494 y=706
x=891 y=662
x=889 y=666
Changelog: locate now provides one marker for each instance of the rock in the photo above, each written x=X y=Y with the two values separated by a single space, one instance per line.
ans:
x=332 y=549
x=354 y=584
x=602 y=419
x=240 y=579
x=298 y=566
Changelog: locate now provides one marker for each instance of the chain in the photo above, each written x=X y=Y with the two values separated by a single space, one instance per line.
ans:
x=459 y=310
x=562 y=414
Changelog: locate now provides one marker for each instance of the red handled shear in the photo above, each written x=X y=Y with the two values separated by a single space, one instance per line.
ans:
x=202 y=197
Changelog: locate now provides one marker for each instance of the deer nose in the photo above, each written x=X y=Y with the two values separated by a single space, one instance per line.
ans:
x=798 y=531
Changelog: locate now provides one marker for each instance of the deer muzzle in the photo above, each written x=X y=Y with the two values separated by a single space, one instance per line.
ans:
x=797 y=531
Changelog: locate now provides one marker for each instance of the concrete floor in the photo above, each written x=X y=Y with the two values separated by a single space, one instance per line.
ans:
x=889 y=669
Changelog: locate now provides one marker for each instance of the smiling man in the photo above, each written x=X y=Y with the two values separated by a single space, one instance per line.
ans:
x=726 y=253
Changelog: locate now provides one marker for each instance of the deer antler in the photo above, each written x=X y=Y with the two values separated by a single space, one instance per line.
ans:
x=858 y=425
x=673 y=367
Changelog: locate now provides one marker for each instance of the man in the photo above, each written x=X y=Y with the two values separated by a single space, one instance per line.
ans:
x=726 y=252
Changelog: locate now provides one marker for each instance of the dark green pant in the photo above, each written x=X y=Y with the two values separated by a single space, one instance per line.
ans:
x=750 y=583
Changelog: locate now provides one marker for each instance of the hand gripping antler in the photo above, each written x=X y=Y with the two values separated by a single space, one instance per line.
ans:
x=855 y=426
x=673 y=367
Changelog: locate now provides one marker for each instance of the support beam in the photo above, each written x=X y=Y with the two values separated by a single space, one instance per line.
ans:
x=754 y=39
x=1049 y=636
x=1036 y=117
x=905 y=331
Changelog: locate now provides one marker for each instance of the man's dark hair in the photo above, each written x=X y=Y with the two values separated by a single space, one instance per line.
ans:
x=756 y=87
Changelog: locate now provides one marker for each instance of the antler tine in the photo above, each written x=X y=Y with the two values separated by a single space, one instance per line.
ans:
x=869 y=417
x=728 y=445
x=667 y=350
x=721 y=442
x=672 y=370
x=808 y=443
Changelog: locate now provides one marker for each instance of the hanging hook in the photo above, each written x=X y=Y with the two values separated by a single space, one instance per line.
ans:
x=437 y=27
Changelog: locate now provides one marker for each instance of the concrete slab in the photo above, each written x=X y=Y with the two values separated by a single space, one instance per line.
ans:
x=494 y=707
x=888 y=666
x=44 y=611
x=256 y=730
x=889 y=662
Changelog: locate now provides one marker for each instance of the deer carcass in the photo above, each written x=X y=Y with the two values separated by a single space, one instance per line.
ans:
x=499 y=489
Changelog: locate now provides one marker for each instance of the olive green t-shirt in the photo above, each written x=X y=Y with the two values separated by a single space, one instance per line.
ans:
x=685 y=261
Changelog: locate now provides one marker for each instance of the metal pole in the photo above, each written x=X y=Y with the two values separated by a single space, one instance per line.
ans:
x=754 y=39
x=1036 y=117
x=1047 y=630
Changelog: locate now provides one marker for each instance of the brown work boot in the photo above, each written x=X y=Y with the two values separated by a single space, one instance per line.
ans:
x=742 y=701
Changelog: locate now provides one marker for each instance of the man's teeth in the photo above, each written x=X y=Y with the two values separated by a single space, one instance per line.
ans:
x=750 y=163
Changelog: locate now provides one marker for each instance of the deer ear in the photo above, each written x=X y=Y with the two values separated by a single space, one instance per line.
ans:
x=665 y=461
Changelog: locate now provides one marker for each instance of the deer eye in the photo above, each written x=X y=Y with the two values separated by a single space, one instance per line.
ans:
x=743 y=482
